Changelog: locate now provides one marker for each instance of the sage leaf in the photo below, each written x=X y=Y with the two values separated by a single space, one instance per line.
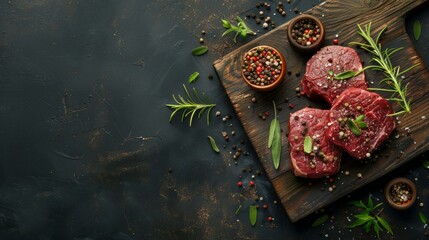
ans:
x=213 y=143
x=345 y=75
x=253 y=214
x=275 y=139
x=423 y=218
x=276 y=147
x=193 y=77
x=308 y=144
x=273 y=125
x=417 y=29
x=353 y=127
x=426 y=164
x=200 y=50
x=320 y=220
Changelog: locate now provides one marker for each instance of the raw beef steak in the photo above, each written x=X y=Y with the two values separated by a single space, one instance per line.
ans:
x=372 y=109
x=325 y=157
x=318 y=80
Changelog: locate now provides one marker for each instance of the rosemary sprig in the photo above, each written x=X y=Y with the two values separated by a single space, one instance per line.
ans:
x=369 y=218
x=241 y=29
x=190 y=106
x=384 y=64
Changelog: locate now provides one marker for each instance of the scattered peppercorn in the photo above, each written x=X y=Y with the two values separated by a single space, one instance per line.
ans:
x=210 y=76
x=240 y=183
x=270 y=219
x=254 y=100
x=252 y=183
x=335 y=41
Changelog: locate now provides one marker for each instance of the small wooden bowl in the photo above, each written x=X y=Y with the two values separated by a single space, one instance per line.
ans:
x=314 y=46
x=409 y=186
x=276 y=81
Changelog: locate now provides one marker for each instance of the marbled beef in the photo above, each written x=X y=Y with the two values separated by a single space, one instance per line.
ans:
x=325 y=157
x=318 y=80
x=351 y=104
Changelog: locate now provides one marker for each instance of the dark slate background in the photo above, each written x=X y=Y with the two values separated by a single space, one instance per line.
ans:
x=81 y=81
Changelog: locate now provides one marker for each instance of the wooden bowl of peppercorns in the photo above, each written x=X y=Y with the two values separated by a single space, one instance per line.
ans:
x=400 y=193
x=263 y=68
x=306 y=33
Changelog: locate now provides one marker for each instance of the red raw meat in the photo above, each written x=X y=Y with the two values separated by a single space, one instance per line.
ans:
x=352 y=103
x=325 y=157
x=317 y=80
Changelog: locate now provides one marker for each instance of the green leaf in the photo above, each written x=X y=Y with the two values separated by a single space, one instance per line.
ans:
x=426 y=164
x=362 y=125
x=385 y=224
x=365 y=217
x=213 y=143
x=238 y=210
x=276 y=147
x=353 y=127
x=417 y=29
x=377 y=229
x=193 y=77
x=226 y=24
x=330 y=72
x=253 y=214
x=357 y=223
x=308 y=144
x=423 y=218
x=368 y=226
x=201 y=50
x=271 y=133
x=370 y=202
x=319 y=221
x=345 y=75
x=360 y=118
x=358 y=204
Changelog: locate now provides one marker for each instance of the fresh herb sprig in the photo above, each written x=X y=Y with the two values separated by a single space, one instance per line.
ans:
x=384 y=64
x=190 y=106
x=275 y=139
x=356 y=125
x=241 y=29
x=369 y=218
x=346 y=74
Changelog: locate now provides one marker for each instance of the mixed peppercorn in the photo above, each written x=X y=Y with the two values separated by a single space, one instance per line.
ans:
x=262 y=66
x=401 y=193
x=306 y=32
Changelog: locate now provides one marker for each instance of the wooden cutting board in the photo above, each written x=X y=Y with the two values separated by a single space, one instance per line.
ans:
x=300 y=197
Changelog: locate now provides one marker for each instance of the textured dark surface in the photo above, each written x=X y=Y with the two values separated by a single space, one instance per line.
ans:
x=80 y=81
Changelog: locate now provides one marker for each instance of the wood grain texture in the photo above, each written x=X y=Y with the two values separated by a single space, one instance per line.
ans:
x=301 y=197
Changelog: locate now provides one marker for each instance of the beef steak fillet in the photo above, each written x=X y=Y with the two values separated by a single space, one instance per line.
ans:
x=318 y=80
x=351 y=104
x=325 y=157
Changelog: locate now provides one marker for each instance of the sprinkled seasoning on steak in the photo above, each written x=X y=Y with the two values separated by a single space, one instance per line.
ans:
x=331 y=60
x=351 y=104
x=325 y=157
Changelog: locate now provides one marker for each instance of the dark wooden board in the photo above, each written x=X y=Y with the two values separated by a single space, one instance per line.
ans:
x=301 y=197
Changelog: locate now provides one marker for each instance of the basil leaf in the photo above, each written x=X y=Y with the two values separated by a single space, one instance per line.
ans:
x=193 y=77
x=308 y=144
x=200 y=50
x=345 y=75
x=213 y=143
x=320 y=221
x=253 y=214
x=276 y=148
x=423 y=218
x=417 y=29
x=353 y=128
x=426 y=164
